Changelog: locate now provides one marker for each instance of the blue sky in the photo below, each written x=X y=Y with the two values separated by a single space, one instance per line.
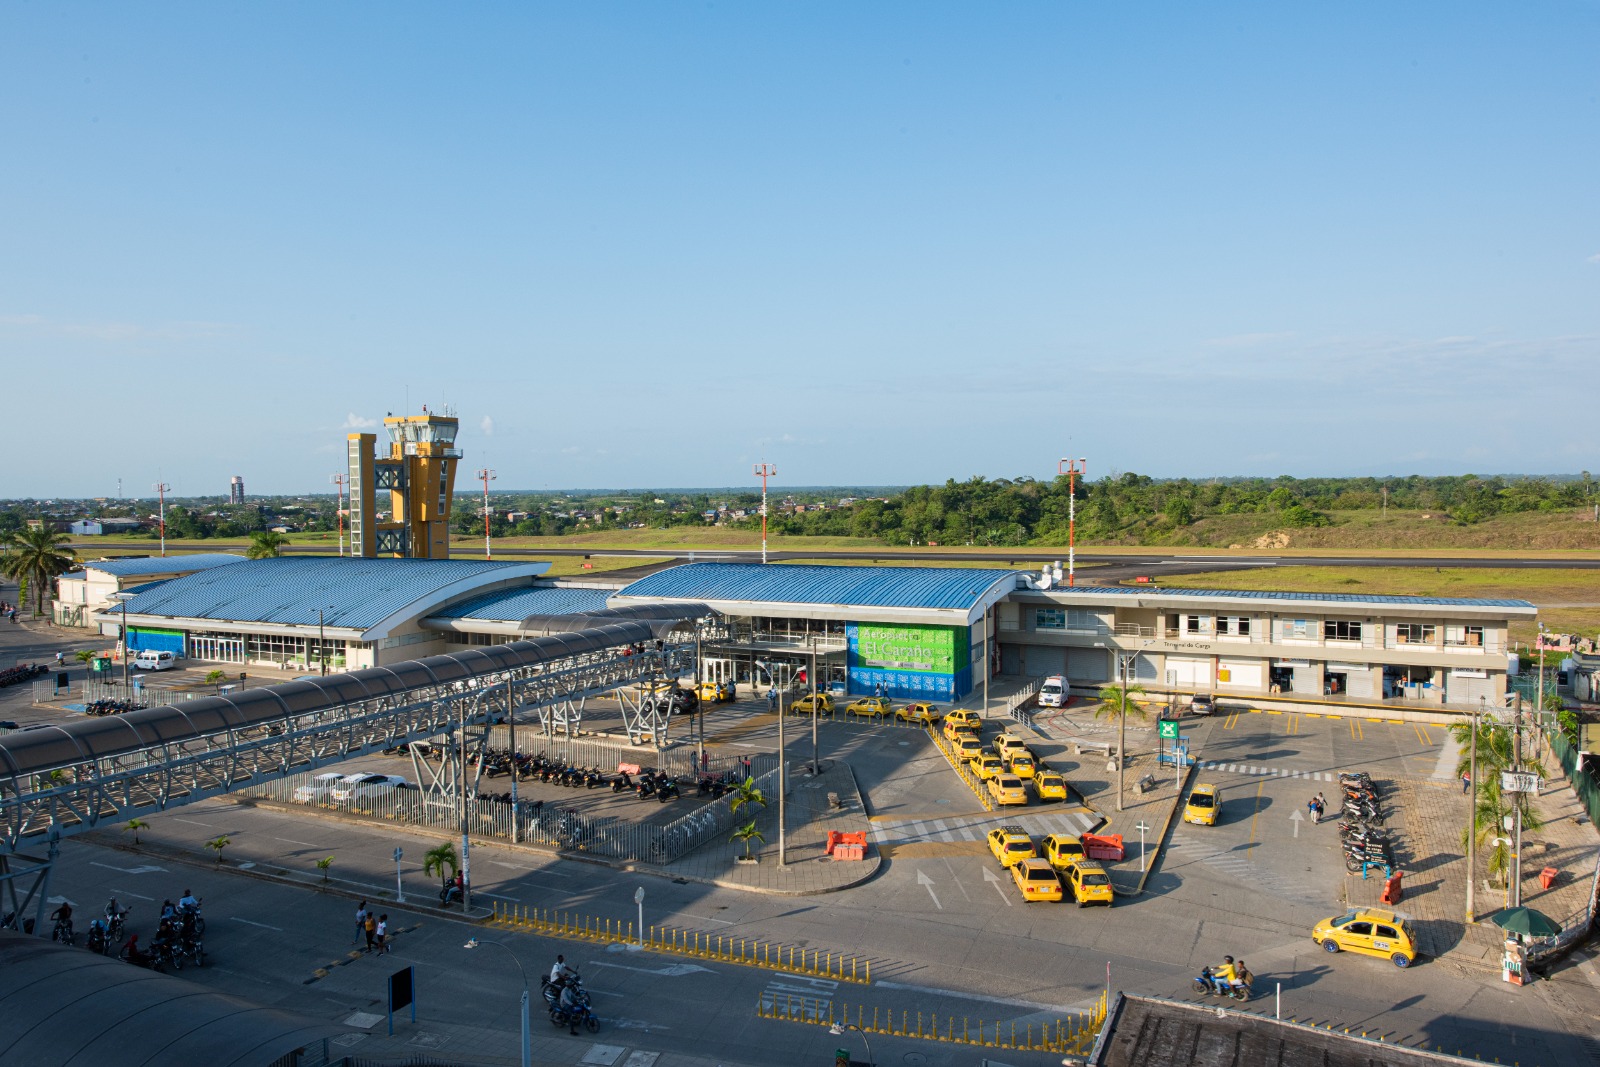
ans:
x=650 y=244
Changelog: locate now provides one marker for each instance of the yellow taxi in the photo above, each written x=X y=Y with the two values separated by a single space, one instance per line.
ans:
x=967 y=748
x=802 y=706
x=1370 y=931
x=716 y=692
x=1037 y=880
x=1021 y=763
x=1048 y=785
x=920 y=712
x=1089 y=882
x=1202 y=806
x=1007 y=789
x=954 y=728
x=987 y=765
x=868 y=708
x=1011 y=845
x=1063 y=850
x=965 y=715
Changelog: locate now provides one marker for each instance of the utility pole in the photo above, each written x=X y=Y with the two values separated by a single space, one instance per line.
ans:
x=764 y=470
x=162 y=489
x=816 y=709
x=1122 y=730
x=338 y=510
x=487 y=476
x=511 y=724
x=1072 y=468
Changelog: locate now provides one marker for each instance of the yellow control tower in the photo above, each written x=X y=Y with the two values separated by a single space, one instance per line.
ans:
x=419 y=475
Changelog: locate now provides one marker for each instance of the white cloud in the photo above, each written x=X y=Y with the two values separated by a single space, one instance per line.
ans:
x=487 y=426
x=1594 y=258
x=353 y=421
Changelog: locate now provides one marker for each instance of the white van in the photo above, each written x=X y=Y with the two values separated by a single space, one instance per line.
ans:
x=148 y=660
x=1054 y=693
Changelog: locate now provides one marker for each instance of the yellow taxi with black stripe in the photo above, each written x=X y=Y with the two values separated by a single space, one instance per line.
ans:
x=1063 y=850
x=823 y=702
x=1010 y=845
x=1089 y=882
x=868 y=708
x=1049 y=785
x=1204 y=800
x=920 y=712
x=1006 y=789
x=1037 y=880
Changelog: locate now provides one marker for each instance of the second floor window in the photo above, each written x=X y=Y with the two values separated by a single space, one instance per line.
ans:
x=1341 y=630
x=1469 y=636
x=1414 y=633
x=1233 y=625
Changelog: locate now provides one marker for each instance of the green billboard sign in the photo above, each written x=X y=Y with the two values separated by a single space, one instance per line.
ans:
x=937 y=649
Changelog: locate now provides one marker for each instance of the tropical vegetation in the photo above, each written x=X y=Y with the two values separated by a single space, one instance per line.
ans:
x=1496 y=752
x=34 y=556
x=265 y=544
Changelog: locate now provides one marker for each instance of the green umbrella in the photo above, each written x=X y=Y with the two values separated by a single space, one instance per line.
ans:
x=1525 y=921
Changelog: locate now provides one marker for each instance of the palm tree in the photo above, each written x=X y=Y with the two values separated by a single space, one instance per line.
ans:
x=746 y=792
x=217 y=844
x=84 y=655
x=35 y=556
x=1113 y=698
x=1491 y=807
x=265 y=544
x=747 y=833
x=436 y=859
x=135 y=825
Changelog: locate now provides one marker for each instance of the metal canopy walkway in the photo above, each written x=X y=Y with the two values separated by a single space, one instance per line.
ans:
x=60 y=780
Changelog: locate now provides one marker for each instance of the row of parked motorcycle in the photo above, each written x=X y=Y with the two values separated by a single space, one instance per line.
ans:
x=113 y=707
x=1361 y=831
x=22 y=672
x=179 y=938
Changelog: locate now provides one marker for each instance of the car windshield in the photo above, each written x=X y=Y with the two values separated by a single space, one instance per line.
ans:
x=1201 y=800
x=1343 y=919
x=1041 y=876
x=1094 y=878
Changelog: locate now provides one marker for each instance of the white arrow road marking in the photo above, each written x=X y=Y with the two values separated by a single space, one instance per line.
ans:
x=127 y=870
x=676 y=970
x=994 y=880
x=925 y=881
x=1297 y=819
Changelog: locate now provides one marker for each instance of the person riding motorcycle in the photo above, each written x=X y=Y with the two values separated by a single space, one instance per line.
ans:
x=560 y=972
x=188 y=902
x=1242 y=978
x=63 y=919
x=1225 y=975
x=568 y=1004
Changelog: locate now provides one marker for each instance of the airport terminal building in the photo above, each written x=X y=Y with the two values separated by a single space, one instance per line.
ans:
x=930 y=633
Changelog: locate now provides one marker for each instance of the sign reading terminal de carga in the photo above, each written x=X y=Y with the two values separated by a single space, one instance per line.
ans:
x=910 y=662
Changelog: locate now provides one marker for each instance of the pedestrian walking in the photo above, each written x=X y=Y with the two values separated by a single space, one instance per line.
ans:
x=1466 y=783
x=370 y=928
x=1322 y=806
x=383 y=933
x=772 y=698
x=361 y=921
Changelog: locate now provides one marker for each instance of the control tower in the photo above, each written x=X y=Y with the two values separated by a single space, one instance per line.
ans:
x=418 y=474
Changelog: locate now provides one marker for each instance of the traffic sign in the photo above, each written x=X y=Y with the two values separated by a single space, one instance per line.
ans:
x=1168 y=729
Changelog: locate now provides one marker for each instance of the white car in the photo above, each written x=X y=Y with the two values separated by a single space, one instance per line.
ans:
x=359 y=787
x=148 y=660
x=318 y=788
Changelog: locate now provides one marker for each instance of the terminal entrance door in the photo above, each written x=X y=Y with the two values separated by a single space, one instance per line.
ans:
x=217 y=648
x=716 y=670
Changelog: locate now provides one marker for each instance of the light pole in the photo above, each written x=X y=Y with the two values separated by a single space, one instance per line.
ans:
x=764 y=471
x=162 y=489
x=124 y=598
x=1472 y=807
x=322 y=641
x=338 y=507
x=638 y=898
x=527 y=1038
x=783 y=776
x=838 y=1030
x=487 y=476
x=1127 y=659
x=816 y=709
x=1072 y=468
x=511 y=727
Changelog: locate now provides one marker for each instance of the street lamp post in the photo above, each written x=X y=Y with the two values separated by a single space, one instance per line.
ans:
x=1472 y=807
x=124 y=598
x=816 y=709
x=838 y=1030
x=783 y=777
x=527 y=1038
x=322 y=644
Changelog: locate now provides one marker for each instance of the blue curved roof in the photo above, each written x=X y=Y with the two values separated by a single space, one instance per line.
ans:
x=958 y=588
x=1282 y=595
x=352 y=592
x=132 y=568
x=514 y=605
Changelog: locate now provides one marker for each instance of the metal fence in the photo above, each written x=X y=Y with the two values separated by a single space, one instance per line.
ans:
x=532 y=822
x=88 y=690
x=606 y=753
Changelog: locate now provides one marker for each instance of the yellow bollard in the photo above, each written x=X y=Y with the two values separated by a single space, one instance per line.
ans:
x=869 y=972
x=852 y=968
x=1013 y=1034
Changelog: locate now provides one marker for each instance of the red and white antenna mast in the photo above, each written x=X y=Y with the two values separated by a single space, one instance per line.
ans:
x=764 y=471
x=338 y=510
x=487 y=476
x=1072 y=468
x=162 y=489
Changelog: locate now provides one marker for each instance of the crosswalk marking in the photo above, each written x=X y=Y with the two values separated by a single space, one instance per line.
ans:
x=919 y=831
x=1277 y=772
